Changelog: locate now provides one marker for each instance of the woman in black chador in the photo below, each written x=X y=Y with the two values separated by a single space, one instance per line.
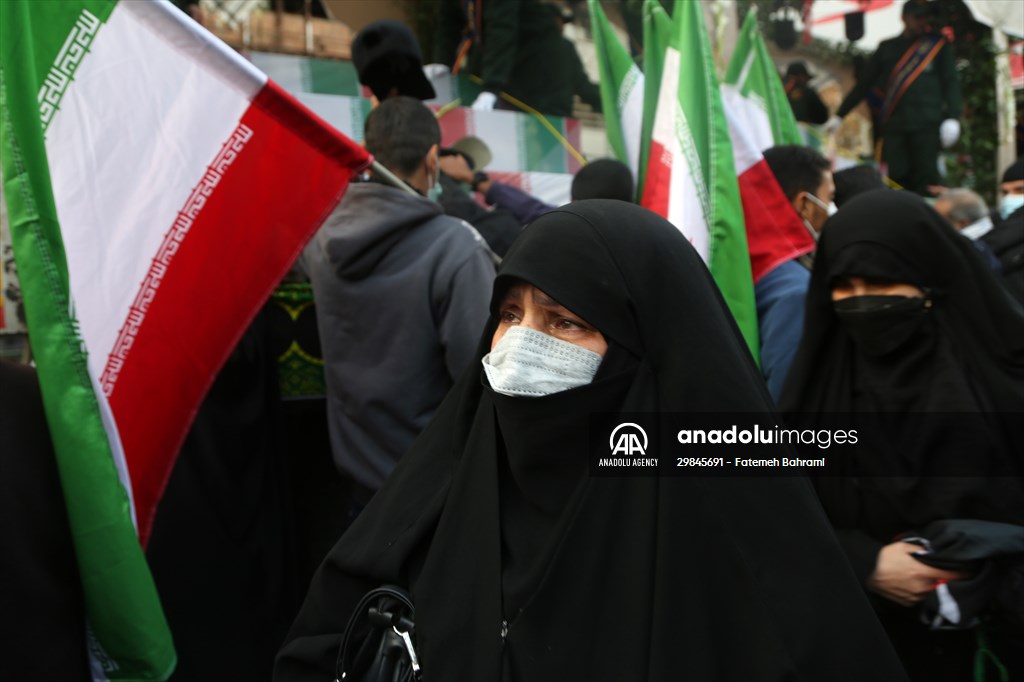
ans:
x=524 y=567
x=909 y=334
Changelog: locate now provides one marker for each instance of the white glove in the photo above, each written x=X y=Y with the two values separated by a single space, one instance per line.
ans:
x=949 y=132
x=485 y=101
x=832 y=125
x=434 y=71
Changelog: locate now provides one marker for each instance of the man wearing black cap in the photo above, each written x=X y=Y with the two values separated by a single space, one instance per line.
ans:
x=807 y=106
x=388 y=61
x=912 y=85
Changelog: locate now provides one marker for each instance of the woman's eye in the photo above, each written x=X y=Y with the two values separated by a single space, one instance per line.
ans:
x=567 y=324
x=507 y=316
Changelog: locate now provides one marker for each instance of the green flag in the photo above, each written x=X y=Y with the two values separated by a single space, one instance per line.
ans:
x=622 y=87
x=691 y=175
x=753 y=73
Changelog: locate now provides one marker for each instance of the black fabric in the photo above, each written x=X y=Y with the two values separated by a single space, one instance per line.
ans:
x=964 y=356
x=880 y=325
x=42 y=613
x=992 y=555
x=1006 y=239
x=856 y=180
x=524 y=567
x=222 y=550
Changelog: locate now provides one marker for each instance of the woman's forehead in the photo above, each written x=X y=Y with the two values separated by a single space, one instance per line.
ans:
x=518 y=289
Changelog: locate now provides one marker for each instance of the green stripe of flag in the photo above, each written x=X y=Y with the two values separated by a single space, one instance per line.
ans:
x=618 y=76
x=129 y=637
x=752 y=71
x=328 y=77
x=539 y=150
x=701 y=102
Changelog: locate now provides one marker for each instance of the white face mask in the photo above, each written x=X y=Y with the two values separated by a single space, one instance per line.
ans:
x=810 y=228
x=1009 y=204
x=830 y=208
x=526 y=362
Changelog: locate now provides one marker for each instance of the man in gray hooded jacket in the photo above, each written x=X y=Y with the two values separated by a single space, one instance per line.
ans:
x=402 y=294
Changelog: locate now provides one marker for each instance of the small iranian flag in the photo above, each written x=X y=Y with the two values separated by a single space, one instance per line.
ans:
x=622 y=90
x=158 y=186
x=760 y=117
x=752 y=72
x=657 y=36
x=691 y=178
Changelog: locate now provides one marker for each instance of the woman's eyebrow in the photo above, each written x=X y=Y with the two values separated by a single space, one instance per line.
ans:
x=543 y=299
x=514 y=294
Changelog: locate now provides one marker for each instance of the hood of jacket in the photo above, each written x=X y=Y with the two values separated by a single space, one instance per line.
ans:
x=368 y=222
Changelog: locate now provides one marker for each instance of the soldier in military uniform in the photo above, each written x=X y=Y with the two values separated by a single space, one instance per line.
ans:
x=807 y=106
x=912 y=85
x=516 y=47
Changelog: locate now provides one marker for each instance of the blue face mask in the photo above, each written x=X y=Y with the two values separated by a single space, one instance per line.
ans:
x=1009 y=204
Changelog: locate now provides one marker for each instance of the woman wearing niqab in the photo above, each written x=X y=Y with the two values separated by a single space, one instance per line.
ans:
x=524 y=567
x=935 y=377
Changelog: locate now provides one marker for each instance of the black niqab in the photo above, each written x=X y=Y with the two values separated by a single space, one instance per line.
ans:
x=522 y=566
x=960 y=359
x=950 y=392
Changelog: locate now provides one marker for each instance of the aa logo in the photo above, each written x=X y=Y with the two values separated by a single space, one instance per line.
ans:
x=628 y=439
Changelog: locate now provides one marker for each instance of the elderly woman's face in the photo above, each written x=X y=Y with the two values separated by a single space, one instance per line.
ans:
x=847 y=287
x=526 y=305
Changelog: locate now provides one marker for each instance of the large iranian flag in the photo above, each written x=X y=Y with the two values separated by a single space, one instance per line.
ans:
x=622 y=90
x=760 y=117
x=158 y=187
x=691 y=178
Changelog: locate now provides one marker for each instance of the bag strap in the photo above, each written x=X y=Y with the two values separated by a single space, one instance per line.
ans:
x=404 y=625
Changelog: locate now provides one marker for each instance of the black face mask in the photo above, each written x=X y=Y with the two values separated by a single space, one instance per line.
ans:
x=880 y=325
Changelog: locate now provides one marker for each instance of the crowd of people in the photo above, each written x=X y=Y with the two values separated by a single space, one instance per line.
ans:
x=470 y=333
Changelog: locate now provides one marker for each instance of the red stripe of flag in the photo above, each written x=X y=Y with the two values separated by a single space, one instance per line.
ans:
x=278 y=189
x=775 y=233
x=657 y=184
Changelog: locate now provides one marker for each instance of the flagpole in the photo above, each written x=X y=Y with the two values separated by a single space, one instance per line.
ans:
x=391 y=178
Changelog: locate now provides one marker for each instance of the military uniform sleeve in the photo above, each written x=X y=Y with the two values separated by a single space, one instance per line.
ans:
x=500 y=42
x=450 y=22
x=872 y=72
x=950 y=82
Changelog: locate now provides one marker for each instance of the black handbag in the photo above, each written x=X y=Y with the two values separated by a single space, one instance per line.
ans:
x=378 y=641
